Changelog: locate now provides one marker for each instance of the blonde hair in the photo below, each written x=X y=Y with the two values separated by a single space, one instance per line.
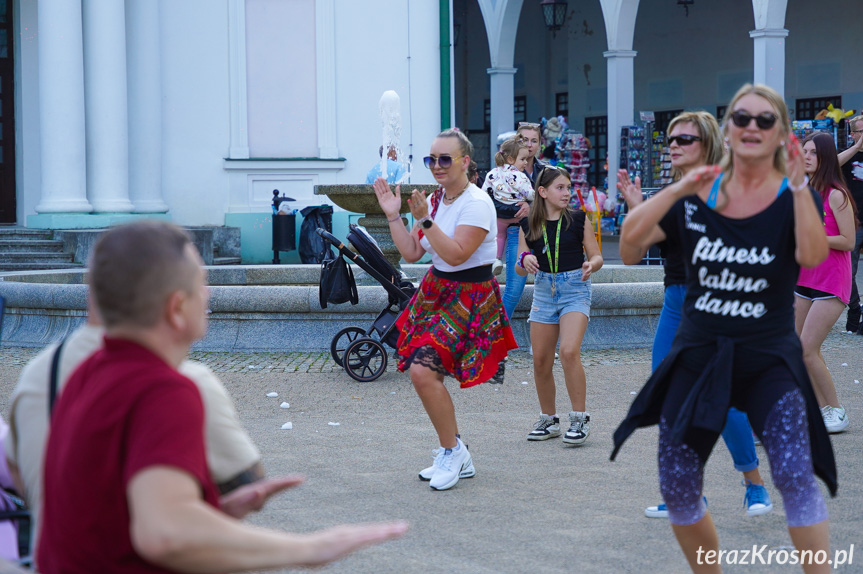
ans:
x=525 y=127
x=709 y=132
x=464 y=144
x=854 y=120
x=782 y=120
x=508 y=149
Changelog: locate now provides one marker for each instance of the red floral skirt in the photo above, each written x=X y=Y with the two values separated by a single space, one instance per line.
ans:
x=464 y=324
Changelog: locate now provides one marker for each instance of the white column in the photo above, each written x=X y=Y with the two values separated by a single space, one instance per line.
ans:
x=769 y=65
x=502 y=96
x=61 y=107
x=237 y=71
x=621 y=106
x=145 y=106
x=325 y=60
x=107 y=107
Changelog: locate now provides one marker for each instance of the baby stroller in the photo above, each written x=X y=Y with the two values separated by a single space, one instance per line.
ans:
x=361 y=351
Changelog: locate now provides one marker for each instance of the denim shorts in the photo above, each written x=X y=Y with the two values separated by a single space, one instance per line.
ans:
x=571 y=294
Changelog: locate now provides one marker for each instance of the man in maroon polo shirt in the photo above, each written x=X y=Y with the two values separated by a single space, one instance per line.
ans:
x=126 y=486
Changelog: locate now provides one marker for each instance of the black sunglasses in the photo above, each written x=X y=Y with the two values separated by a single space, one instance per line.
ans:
x=444 y=161
x=764 y=121
x=683 y=140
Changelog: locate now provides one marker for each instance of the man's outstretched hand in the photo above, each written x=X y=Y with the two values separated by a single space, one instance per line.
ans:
x=252 y=497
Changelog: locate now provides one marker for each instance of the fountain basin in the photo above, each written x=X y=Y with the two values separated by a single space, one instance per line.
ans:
x=275 y=308
x=361 y=198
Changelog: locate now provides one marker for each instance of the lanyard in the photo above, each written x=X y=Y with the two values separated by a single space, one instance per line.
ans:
x=555 y=262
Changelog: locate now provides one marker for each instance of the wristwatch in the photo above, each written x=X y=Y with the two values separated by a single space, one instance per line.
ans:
x=426 y=222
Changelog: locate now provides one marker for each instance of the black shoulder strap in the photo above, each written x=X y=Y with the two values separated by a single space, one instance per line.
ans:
x=355 y=296
x=52 y=386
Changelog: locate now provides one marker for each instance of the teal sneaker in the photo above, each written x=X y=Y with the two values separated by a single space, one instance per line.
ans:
x=661 y=510
x=756 y=500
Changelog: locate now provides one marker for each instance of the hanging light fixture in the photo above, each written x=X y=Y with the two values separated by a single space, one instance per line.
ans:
x=554 y=13
x=686 y=4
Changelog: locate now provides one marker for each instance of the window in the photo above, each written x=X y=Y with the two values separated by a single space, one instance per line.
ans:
x=519 y=106
x=664 y=118
x=596 y=130
x=720 y=112
x=486 y=115
x=808 y=108
x=561 y=104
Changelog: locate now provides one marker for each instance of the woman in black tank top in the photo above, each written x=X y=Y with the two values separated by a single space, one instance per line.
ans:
x=736 y=345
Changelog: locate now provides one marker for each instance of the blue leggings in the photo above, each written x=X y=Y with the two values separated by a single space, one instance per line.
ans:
x=737 y=433
x=514 y=282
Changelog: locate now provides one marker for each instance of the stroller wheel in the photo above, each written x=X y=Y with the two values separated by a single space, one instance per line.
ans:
x=365 y=359
x=341 y=341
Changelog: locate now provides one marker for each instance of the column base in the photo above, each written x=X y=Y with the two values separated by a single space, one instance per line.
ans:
x=64 y=206
x=87 y=220
x=151 y=206
x=113 y=206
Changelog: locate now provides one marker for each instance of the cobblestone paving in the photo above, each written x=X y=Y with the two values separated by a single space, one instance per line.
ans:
x=321 y=362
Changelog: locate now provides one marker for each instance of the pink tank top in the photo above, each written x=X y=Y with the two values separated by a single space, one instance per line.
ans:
x=834 y=274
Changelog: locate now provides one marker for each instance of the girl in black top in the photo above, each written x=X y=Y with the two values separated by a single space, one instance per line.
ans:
x=744 y=237
x=553 y=242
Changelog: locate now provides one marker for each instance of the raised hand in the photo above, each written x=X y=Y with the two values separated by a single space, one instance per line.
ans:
x=698 y=179
x=418 y=205
x=391 y=204
x=631 y=191
x=794 y=165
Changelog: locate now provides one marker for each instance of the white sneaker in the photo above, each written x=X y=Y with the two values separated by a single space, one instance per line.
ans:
x=450 y=466
x=497 y=266
x=426 y=474
x=579 y=429
x=835 y=419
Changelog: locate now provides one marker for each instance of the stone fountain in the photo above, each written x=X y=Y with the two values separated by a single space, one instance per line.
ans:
x=360 y=198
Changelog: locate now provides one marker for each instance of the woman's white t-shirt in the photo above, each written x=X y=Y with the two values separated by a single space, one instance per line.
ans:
x=474 y=207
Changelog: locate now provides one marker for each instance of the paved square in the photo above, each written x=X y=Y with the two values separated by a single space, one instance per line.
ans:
x=533 y=506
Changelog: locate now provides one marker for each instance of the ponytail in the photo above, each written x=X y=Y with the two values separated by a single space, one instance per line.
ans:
x=509 y=148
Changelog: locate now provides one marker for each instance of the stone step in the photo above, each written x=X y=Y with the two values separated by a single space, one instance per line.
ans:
x=227 y=260
x=38 y=265
x=19 y=233
x=32 y=245
x=24 y=256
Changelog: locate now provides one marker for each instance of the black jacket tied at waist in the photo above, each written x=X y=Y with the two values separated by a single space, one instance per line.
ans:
x=706 y=406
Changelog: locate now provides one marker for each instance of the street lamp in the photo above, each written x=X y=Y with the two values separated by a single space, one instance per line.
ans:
x=554 y=13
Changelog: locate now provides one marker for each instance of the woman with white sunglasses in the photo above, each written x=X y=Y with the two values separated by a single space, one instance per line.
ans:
x=455 y=324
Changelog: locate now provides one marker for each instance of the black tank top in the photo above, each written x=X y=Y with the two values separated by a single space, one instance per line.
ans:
x=740 y=273
x=571 y=250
